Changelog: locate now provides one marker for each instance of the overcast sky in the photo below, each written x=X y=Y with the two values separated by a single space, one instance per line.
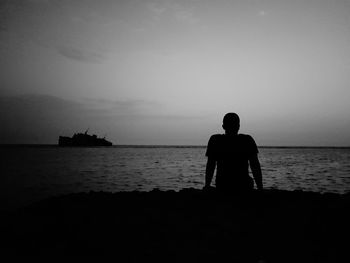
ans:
x=166 y=71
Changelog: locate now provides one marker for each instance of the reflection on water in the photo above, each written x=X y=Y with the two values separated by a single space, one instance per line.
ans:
x=32 y=173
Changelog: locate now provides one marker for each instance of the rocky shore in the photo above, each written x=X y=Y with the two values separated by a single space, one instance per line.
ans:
x=186 y=226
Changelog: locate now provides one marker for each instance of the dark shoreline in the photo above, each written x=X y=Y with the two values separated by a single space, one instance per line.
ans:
x=20 y=145
x=189 y=225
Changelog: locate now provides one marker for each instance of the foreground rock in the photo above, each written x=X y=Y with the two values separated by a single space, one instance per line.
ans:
x=190 y=225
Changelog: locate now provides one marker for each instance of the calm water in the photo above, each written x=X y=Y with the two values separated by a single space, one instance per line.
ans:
x=32 y=173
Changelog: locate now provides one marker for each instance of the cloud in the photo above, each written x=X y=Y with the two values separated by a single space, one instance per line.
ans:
x=39 y=1
x=37 y=118
x=181 y=11
x=42 y=118
x=122 y=107
x=6 y=9
x=156 y=9
x=81 y=55
x=186 y=16
x=262 y=13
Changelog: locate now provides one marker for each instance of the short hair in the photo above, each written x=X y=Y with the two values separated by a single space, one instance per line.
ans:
x=230 y=119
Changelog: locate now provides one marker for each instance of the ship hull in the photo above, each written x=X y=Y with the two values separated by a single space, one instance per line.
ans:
x=87 y=142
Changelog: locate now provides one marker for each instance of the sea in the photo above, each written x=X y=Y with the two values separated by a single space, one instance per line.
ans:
x=31 y=173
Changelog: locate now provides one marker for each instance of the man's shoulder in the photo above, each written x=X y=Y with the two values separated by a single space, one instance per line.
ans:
x=249 y=142
x=245 y=136
x=213 y=145
x=215 y=138
x=241 y=136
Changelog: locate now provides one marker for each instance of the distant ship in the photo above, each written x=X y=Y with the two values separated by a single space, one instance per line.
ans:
x=83 y=139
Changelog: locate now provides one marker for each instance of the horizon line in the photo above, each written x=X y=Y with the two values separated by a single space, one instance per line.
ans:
x=165 y=145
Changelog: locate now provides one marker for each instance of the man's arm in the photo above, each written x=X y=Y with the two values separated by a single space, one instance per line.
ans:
x=209 y=171
x=256 y=170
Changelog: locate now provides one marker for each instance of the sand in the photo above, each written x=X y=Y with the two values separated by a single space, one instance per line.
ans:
x=186 y=226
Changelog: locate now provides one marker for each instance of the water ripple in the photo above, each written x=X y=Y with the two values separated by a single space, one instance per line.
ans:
x=59 y=170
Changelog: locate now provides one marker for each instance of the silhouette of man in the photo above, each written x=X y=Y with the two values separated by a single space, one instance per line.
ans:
x=232 y=153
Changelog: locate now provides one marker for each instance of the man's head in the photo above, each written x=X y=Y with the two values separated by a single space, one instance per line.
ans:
x=230 y=123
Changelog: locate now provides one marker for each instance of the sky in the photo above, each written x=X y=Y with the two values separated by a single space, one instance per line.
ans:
x=166 y=71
